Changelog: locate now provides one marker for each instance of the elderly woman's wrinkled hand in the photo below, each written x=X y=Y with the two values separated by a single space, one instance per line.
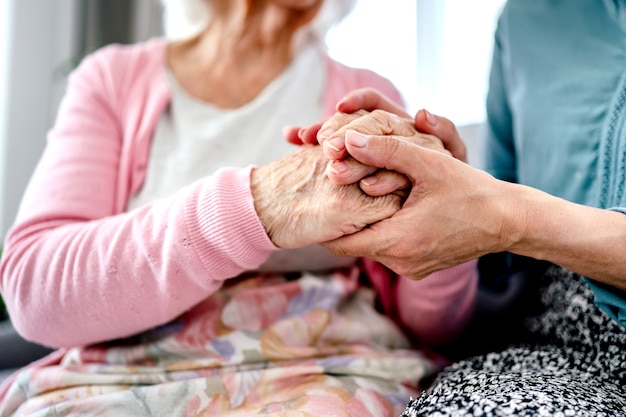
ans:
x=332 y=133
x=371 y=99
x=343 y=169
x=368 y=112
x=298 y=205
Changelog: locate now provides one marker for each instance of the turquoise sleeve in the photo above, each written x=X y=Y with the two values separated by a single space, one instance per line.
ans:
x=610 y=299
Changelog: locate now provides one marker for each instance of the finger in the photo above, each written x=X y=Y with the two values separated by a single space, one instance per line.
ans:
x=388 y=152
x=335 y=122
x=377 y=122
x=302 y=135
x=329 y=137
x=384 y=182
x=348 y=171
x=445 y=130
x=427 y=141
x=375 y=210
x=308 y=134
x=290 y=133
x=359 y=244
x=369 y=99
x=335 y=149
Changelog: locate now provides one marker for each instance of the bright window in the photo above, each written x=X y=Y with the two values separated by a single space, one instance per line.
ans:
x=437 y=52
x=380 y=35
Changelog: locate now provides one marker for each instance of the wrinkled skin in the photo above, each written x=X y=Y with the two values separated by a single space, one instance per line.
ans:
x=298 y=205
x=370 y=100
x=343 y=169
x=369 y=112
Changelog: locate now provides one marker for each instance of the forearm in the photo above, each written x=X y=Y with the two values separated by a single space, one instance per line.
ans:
x=586 y=240
x=69 y=282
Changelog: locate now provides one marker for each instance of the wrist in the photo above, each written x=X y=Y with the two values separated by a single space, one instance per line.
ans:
x=510 y=212
x=261 y=200
x=525 y=219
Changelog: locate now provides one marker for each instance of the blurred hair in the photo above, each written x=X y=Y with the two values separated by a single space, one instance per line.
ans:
x=184 y=19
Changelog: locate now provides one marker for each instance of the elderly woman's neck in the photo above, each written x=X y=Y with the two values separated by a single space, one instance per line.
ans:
x=239 y=54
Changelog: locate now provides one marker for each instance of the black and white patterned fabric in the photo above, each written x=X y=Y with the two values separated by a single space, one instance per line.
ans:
x=572 y=363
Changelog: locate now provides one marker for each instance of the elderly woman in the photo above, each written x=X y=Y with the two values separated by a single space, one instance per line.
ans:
x=167 y=242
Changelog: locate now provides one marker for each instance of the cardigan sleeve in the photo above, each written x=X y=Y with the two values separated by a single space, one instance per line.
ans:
x=74 y=271
x=436 y=309
x=342 y=79
x=610 y=299
x=433 y=310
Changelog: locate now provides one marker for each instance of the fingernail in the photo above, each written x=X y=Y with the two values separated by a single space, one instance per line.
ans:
x=325 y=133
x=357 y=139
x=335 y=144
x=432 y=120
x=338 y=167
x=369 y=181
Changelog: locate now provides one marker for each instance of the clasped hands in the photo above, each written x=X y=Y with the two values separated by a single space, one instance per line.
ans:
x=382 y=185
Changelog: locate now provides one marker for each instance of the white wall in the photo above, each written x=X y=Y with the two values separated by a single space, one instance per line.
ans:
x=381 y=36
x=37 y=38
x=455 y=39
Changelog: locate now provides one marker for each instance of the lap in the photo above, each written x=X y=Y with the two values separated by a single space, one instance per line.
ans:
x=268 y=344
x=571 y=364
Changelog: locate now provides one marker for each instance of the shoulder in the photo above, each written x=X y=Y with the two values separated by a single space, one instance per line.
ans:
x=117 y=76
x=357 y=77
x=126 y=61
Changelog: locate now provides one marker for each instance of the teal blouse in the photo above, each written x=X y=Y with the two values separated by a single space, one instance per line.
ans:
x=556 y=106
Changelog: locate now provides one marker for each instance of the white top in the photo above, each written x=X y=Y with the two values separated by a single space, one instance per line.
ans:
x=194 y=138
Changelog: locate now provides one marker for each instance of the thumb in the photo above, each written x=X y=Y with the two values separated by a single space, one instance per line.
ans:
x=444 y=129
x=388 y=152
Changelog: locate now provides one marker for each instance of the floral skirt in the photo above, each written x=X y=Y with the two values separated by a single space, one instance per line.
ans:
x=306 y=345
x=572 y=364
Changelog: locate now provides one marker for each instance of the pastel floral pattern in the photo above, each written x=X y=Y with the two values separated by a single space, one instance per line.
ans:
x=267 y=345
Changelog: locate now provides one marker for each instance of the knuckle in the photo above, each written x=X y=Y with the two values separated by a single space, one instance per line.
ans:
x=337 y=119
x=384 y=121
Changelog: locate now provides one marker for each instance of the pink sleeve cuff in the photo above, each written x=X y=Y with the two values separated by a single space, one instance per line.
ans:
x=234 y=239
x=438 y=307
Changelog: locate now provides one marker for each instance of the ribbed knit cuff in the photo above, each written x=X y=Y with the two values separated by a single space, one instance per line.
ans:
x=223 y=225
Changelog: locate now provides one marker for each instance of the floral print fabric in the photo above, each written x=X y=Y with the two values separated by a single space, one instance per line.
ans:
x=280 y=345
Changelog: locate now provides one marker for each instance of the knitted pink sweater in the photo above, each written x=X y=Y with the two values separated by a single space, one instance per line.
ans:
x=78 y=269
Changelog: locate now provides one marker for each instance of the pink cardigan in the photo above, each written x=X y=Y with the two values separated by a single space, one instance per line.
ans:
x=78 y=269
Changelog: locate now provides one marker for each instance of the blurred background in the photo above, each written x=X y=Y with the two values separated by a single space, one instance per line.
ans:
x=437 y=52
